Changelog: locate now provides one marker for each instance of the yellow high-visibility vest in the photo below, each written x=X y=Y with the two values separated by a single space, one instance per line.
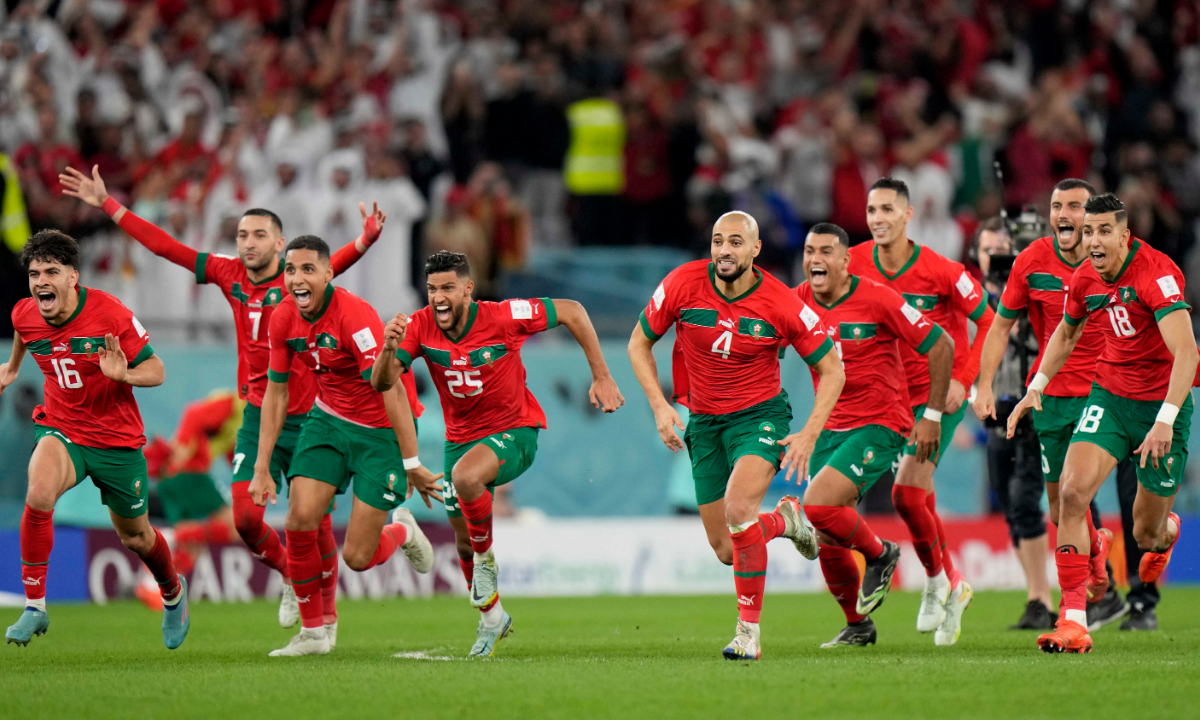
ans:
x=14 y=222
x=595 y=162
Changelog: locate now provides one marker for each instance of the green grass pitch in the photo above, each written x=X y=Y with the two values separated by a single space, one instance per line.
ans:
x=596 y=657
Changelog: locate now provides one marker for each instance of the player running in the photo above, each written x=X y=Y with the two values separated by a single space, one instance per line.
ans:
x=867 y=322
x=1038 y=283
x=731 y=322
x=92 y=352
x=352 y=431
x=473 y=353
x=253 y=285
x=1140 y=403
x=945 y=293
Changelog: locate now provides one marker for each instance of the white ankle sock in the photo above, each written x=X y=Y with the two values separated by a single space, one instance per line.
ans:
x=1079 y=616
x=39 y=604
x=937 y=581
x=492 y=617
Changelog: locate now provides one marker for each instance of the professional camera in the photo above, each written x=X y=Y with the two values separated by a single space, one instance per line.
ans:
x=1027 y=227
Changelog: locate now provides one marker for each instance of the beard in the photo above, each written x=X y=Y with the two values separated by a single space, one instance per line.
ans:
x=737 y=273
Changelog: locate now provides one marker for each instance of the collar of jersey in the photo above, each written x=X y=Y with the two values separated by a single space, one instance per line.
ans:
x=712 y=278
x=839 y=301
x=911 y=261
x=466 y=328
x=324 y=308
x=267 y=280
x=78 y=308
x=1134 y=244
x=1058 y=252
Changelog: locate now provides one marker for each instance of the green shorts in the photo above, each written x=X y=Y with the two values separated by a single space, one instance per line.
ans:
x=1054 y=425
x=190 y=496
x=1119 y=425
x=246 y=452
x=515 y=449
x=716 y=442
x=862 y=454
x=120 y=473
x=333 y=450
x=950 y=422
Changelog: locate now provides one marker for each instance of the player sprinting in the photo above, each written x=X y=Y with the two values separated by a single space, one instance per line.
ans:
x=867 y=322
x=253 y=285
x=1140 y=403
x=945 y=293
x=731 y=322
x=352 y=430
x=1038 y=284
x=473 y=353
x=92 y=352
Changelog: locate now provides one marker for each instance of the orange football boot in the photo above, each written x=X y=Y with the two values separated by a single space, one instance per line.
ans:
x=1098 y=578
x=1153 y=564
x=150 y=597
x=1069 y=637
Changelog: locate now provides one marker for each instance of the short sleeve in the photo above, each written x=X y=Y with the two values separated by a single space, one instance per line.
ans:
x=966 y=293
x=1016 y=291
x=909 y=324
x=134 y=339
x=1075 y=306
x=281 y=353
x=662 y=311
x=410 y=346
x=215 y=269
x=805 y=333
x=1161 y=290
x=364 y=330
x=529 y=317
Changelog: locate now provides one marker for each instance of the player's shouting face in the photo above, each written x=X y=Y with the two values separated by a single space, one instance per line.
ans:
x=735 y=244
x=259 y=240
x=1066 y=217
x=449 y=296
x=306 y=274
x=1107 y=238
x=826 y=262
x=888 y=214
x=52 y=273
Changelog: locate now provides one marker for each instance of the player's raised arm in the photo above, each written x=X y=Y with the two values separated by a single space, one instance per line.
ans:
x=9 y=370
x=1062 y=344
x=347 y=255
x=604 y=392
x=155 y=239
x=1180 y=339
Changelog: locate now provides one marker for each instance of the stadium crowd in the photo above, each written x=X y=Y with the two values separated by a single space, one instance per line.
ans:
x=494 y=128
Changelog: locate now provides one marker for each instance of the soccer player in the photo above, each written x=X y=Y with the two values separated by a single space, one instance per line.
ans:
x=866 y=322
x=1140 y=403
x=945 y=293
x=352 y=430
x=253 y=285
x=92 y=352
x=1038 y=284
x=473 y=353
x=731 y=322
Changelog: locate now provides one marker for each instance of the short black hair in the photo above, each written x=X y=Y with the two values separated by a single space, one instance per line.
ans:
x=1106 y=203
x=826 y=228
x=51 y=246
x=446 y=261
x=890 y=183
x=262 y=212
x=309 y=242
x=1075 y=184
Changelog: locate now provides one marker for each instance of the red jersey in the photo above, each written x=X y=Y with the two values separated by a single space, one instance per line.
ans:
x=81 y=402
x=479 y=375
x=1136 y=363
x=252 y=304
x=946 y=293
x=867 y=326
x=209 y=427
x=339 y=347
x=731 y=347
x=1038 y=283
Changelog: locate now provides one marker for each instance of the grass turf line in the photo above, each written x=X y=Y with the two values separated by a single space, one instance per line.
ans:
x=609 y=656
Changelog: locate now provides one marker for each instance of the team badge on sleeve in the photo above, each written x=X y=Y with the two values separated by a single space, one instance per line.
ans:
x=1168 y=286
x=364 y=339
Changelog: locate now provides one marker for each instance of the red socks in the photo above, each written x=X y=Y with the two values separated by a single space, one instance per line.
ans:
x=773 y=525
x=304 y=566
x=749 y=571
x=327 y=547
x=841 y=575
x=468 y=570
x=947 y=561
x=911 y=503
x=1072 y=578
x=260 y=537
x=203 y=532
x=161 y=566
x=847 y=527
x=392 y=537
x=37 y=539
x=478 y=514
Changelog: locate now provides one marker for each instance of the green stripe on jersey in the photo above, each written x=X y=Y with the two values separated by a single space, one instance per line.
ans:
x=405 y=359
x=1163 y=312
x=236 y=293
x=930 y=339
x=86 y=345
x=297 y=344
x=1127 y=294
x=650 y=334
x=815 y=356
x=325 y=340
x=924 y=303
x=487 y=355
x=41 y=347
x=980 y=309
x=435 y=356
x=700 y=317
x=201 y=268
x=755 y=327
x=857 y=331
x=1044 y=281
x=1006 y=312
x=1096 y=302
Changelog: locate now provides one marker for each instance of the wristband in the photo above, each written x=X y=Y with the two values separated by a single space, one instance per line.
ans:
x=111 y=206
x=412 y=463
x=931 y=414
x=1167 y=413
x=1040 y=381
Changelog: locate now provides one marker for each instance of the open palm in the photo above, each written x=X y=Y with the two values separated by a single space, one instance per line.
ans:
x=90 y=190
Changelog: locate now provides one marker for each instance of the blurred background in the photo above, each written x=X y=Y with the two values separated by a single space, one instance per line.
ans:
x=574 y=149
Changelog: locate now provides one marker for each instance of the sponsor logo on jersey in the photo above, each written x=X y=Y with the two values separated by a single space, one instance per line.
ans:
x=521 y=309
x=460 y=361
x=746 y=599
x=766 y=441
x=364 y=339
x=1168 y=286
x=32 y=581
x=141 y=331
x=659 y=295
x=727 y=324
x=138 y=505
x=857 y=470
x=389 y=497
x=965 y=287
x=808 y=317
x=914 y=315
x=61 y=347
x=479 y=538
x=498 y=443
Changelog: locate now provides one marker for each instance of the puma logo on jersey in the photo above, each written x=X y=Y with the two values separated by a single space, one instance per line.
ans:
x=767 y=441
x=726 y=324
x=389 y=497
x=61 y=347
x=498 y=443
x=857 y=470
x=138 y=505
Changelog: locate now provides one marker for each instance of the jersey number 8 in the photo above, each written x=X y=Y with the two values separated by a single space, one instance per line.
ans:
x=469 y=378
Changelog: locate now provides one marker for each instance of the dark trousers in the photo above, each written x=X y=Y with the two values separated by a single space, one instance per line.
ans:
x=1015 y=474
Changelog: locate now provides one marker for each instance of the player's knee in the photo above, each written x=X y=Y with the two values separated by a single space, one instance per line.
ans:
x=40 y=498
x=140 y=544
x=357 y=559
x=723 y=550
x=738 y=511
x=469 y=482
x=1146 y=538
x=1073 y=500
x=299 y=521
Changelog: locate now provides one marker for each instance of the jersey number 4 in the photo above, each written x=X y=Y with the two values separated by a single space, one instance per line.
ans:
x=67 y=378
x=460 y=378
x=722 y=344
